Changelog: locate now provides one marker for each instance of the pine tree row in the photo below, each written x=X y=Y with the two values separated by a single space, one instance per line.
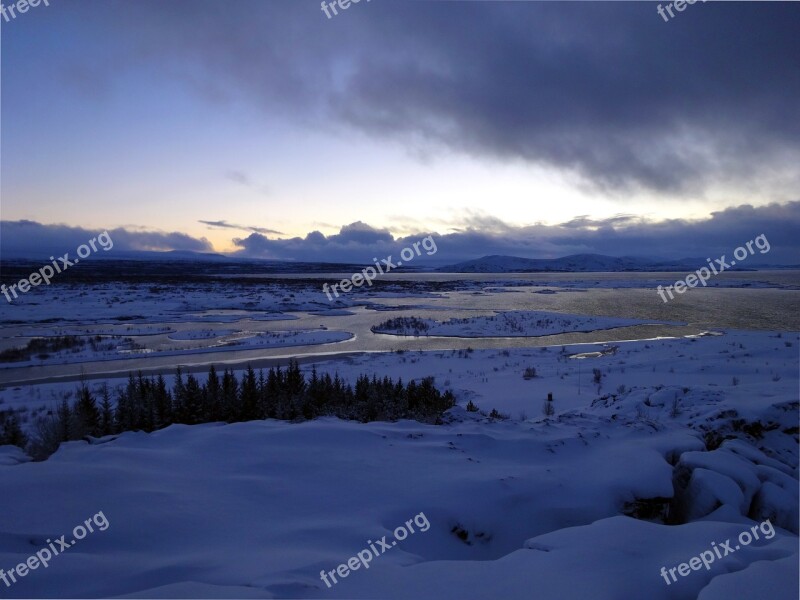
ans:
x=147 y=404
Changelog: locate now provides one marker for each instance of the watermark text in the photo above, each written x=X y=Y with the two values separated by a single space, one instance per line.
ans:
x=47 y=272
x=19 y=7
x=43 y=557
x=381 y=268
x=365 y=556
x=721 y=550
x=703 y=274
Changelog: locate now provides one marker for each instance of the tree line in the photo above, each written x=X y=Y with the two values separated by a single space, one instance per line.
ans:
x=148 y=404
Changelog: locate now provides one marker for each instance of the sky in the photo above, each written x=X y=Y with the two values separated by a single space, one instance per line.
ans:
x=266 y=129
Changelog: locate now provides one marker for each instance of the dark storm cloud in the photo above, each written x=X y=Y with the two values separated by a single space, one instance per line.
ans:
x=361 y=233
x=349 y=245
x=29 y=239
x=474 y=237
x=679 y=238
x=719 y=234
x=608 y=91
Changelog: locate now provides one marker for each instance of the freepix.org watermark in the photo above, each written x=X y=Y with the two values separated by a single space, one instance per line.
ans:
x=43 y=557
x=20 y=7
x=721 y=550
x=678 y=5
x=703 y=274
x=365 y=556
x=380 y=268
x=342 y=4
x=47 y=272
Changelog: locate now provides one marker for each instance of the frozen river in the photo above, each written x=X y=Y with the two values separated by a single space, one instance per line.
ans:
x=698 y=310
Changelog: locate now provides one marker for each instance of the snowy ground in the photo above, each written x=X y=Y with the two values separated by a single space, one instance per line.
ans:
x=114 y=347
x=659 y=449
x=514 y=505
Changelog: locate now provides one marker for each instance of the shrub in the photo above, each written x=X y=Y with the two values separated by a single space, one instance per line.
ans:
x=676 y=408
x=403 y=326
x=495 y=414
x=548 y=409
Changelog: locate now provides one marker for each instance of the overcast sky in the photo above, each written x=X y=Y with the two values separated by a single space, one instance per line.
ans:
x=528 y=128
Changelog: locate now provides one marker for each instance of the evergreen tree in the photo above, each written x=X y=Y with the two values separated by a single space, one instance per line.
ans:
x=179 y=395
x=230 y=396
x=263 y=400
x=315 y=397
x=87 y=417
x=145 y=403
x=124 y=414
x=64 y=420
x=192 y=405
x=213 y=393
x=250 y=396
x=106 y=413
x=10 y=431
x=295 y=384
x=163 y=404
x=273 y=395
x=284 y=394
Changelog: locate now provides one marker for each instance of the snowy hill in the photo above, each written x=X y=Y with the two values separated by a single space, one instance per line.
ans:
x=571 y=506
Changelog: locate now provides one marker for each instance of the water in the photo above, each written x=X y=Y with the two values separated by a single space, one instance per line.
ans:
x=697 y=310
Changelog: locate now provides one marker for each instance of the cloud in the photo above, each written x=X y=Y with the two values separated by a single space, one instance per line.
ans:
x=622 y=235
x=226 y=225
x=243 y=179
x=29 y=239
x=361 y=233
x=477 y=235
x=584 y=221
x=670 y=107
x=351 y=244
x=239 y=177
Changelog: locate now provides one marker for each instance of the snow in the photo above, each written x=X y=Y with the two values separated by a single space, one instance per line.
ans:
x=762 y=579
x=539 y=501
x=726 y=466
x=521 y=506
x=708 y=490
x=546 y=502
x=134 y=330
x=113 y=348
x=200 y=334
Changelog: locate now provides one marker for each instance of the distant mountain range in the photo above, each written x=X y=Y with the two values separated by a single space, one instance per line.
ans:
x=575 y=263
x=176 y=263
x=169 y=255
x=582 y=263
